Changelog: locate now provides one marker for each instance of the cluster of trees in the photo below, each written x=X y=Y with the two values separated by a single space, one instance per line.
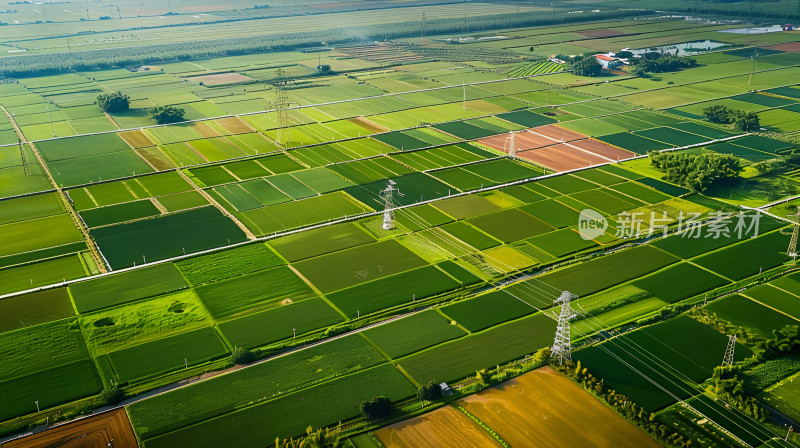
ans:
x=741 y=120
x=113 y=102
x=726 y=385
x=655 y=62
x=321 y=438
x=696 y=172
x=241 y=355
x=780 y=165
x=42 y=64
x=166 y=114
x=586 y=66
x=430 y=392
x=379 y=407
x=625 y=406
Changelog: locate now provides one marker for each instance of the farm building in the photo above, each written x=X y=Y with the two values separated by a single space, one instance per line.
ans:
x=609 y=62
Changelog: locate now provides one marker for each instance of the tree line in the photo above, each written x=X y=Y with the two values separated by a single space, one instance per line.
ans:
x=53 y=63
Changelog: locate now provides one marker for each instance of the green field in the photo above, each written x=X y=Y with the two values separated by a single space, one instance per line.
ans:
x=413 y=333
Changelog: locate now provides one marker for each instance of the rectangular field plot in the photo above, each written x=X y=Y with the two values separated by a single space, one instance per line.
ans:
x=561 y=242
x=487 y=310
x=601 y=273
x=39 y=233
x=336 y=400
x=228 y=263
x=84 y=146
x=687 y=346
x=526 y=118
x=524 y=405
x=41 y=273
x=415 y=187
x=267 y=220
x=394 y=290
x=150 y=240
x=84 y=170
x=360 y=264
x=257 y=383
x=464 y=130
x=252 y=291
x=126 y=287
x=34 y=308
x=671 y=136
x=369 y=170
x=279 y=323
x=119 y=213
x=740 y=310
x=679 y=282
x=553 y=212
x=400 y=140
x=633 y=142
x=165 y=355
x=441 y=157
x=413 y=333
x=470 y=235
x=779 y=299
x=445 y=427
x=312 y=243
x=50 y=388
x=510 y=225
x=762 y=253
x=462 y=357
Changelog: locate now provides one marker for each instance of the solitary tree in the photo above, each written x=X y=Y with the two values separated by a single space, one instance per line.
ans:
x=113 y=102
x=429 y=392
x=166 y=114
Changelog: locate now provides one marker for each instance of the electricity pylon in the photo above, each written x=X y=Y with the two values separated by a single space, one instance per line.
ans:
x=792 y=250
x=387 y=195
x=281 y=107
x=561 y=352
x=25 y=168
x=727 y=360
x=509 y=146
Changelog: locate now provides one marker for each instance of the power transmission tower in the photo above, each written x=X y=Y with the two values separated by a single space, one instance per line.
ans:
x=728 y=359
x=792 y=250
x=561 y=352
x=281 y=106
x=753 y=70
x=509 y=146
x=25 y=168
x=387 y=195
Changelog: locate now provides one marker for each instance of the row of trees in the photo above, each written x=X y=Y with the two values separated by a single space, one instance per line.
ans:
x=655 y=62
x=42 y=64
x=696 y=172
x=741 y=120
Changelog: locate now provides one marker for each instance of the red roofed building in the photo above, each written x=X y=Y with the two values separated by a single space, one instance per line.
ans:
x=608 y=61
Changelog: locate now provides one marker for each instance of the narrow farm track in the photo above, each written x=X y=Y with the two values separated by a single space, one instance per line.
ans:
x=99 y=261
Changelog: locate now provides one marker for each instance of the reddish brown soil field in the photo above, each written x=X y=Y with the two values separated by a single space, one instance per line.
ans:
x=562 y=157
x=604 y=150
x=600 y=33
x=523 y=141
x=557 y=133
x=793 y=47
x=445 y=427
x=91 y=432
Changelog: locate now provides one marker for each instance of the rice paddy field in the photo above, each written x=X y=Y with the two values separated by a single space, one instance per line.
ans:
x=238 y=262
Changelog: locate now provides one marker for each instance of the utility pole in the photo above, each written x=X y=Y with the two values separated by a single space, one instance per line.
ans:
x=561 y=352
x=753 y=70
x=387 y=195
x=25 y=169
x=727 y=360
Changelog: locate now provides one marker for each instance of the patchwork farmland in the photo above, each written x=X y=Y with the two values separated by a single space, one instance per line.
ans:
x=500 y=225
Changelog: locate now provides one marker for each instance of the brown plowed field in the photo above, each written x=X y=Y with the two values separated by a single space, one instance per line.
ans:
x=562 y=157
x=90 y=432
x=602 y=149
x=445 y=427
x=545 y=409
x=235 y=125
x=523 y=141
x=793 y=47
x=136 y=139
x=557 y=133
